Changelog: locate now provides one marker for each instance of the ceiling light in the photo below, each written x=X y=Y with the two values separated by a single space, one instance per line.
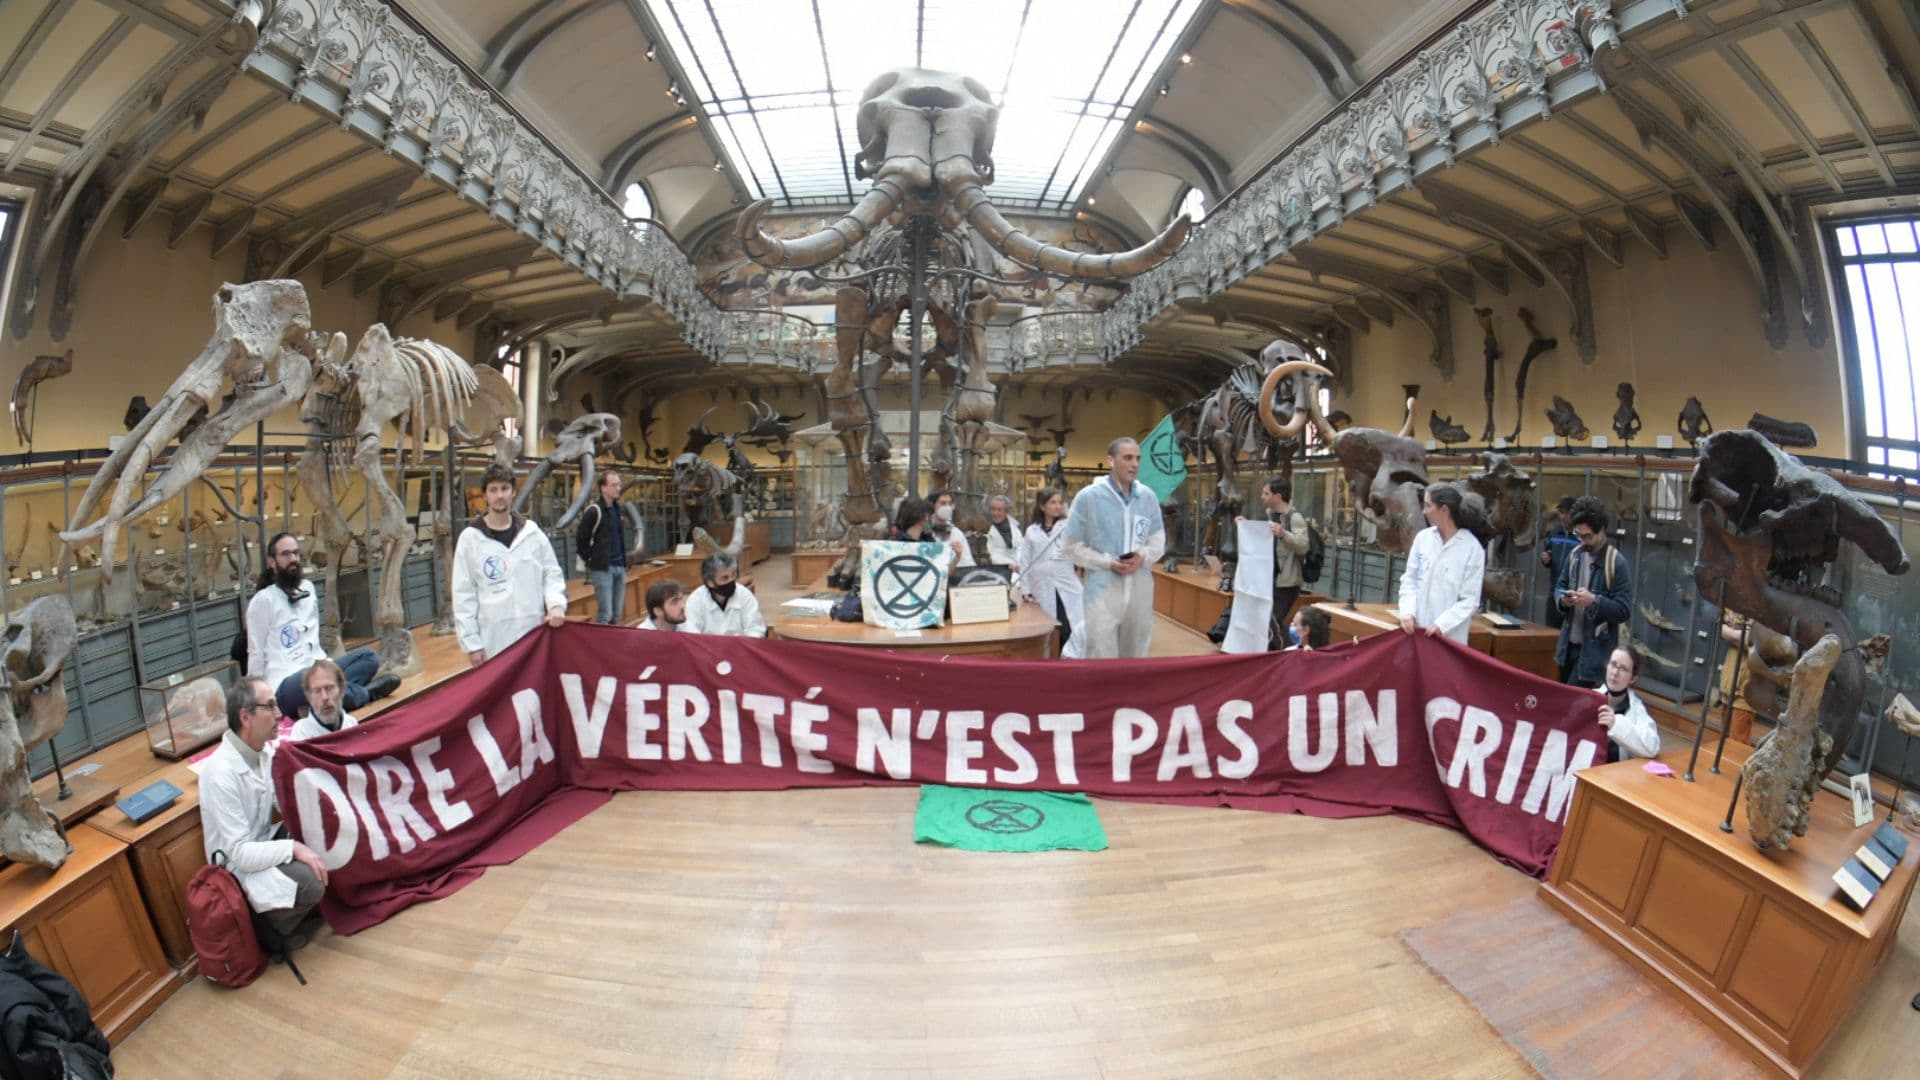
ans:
x=673 y=89
x=650 y=50
x=1185 y=57
x=1165 y=89
x=1089 y=200
x=718 y=165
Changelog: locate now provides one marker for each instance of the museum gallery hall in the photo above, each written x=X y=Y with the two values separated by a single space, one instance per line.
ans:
x=1112 y=538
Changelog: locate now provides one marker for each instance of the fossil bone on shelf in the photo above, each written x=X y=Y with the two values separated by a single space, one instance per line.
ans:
x=37 y=641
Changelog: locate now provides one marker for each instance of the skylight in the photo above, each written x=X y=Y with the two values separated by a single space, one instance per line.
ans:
x=780 y=81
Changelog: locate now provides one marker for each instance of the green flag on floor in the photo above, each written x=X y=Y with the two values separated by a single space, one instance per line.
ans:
x=978 y=820
x=1162 y=465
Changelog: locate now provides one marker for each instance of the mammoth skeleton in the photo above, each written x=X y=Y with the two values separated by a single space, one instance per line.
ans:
x=926 y=139
x=1386 y=472
x=581 y=440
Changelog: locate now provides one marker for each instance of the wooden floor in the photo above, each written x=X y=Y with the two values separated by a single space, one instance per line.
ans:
x=803 y=933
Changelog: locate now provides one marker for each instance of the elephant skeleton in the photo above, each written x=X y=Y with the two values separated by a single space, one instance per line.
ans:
x=1386 y=473
x=581 y=440
x=264 y=345
x=926 y=138
x=422 y=387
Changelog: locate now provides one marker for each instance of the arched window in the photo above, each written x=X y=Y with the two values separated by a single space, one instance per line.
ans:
x=637 y=205
x=1194 y=205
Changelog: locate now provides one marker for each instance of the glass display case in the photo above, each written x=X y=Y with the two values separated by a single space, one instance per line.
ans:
x=187 y=710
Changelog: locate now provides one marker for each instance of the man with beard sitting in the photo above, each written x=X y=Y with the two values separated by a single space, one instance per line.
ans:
x=326 y=702
x=283 y=637
x=666 y=607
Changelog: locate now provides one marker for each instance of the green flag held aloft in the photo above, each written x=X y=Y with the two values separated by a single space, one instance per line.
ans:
x=978 y=820
x=1162 y=466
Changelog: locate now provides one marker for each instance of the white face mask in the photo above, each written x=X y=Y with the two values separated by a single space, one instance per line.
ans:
x=944 y=512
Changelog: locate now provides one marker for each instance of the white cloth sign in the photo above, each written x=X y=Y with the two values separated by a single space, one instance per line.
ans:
x=903 y=583
x=1247 y=629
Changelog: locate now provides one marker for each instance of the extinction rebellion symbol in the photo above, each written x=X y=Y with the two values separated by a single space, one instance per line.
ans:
x=1004 y=816
x=905 y=586
x=1164 y=454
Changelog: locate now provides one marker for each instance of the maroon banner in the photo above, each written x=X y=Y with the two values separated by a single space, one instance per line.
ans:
x=416 y=802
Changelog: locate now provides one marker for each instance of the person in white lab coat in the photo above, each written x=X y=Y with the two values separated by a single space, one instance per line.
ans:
x=1048 y=575
x=721 y=605
x=1631 y=732
x=505 y=576
x=1003 y=541
x=1440 y=589
x=283 y=879
x=326 y=705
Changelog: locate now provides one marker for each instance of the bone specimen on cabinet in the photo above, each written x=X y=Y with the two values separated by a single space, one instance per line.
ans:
x=1566 y=423
x=1444 y=429
x=1779 y=786
x=38 y=371
x=1626 y=419
x=1784 y=432
x=37 y=641
x=1490 y=353
x=1512 y=509
x=1902 y=715
x=580 y=441
x=1693 y=422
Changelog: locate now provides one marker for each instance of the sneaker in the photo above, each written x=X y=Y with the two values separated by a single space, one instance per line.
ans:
x=382 y=686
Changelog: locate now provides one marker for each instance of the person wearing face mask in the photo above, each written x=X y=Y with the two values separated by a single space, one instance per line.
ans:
x=326 y=707
x=1440 y=589
x=722 y=605
x=505 y=576
x=666 y=607
x=1595 y=593
x=941 y=528
x=283 y=636
x=1310 y=629
x=1050 y=579
x=1631 y=731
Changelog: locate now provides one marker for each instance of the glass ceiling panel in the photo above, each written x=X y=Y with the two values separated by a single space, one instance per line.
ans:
x=780 y=80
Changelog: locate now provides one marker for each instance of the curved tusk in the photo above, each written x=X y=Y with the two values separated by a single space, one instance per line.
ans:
x=886 y=196
x=538 y=474
x=1272 y=383
x=1406 y=429
x=971 y=201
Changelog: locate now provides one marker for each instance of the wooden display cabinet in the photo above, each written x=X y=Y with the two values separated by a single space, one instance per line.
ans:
x=86 y=921
x=166 y=851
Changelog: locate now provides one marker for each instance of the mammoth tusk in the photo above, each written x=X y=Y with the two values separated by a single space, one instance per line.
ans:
x=1406 y=429
x=971 y=202
x=1299 y=420
x=886 y=196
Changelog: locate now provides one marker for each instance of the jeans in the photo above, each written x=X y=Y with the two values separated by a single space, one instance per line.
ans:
x=358 y=666
x=609 y=594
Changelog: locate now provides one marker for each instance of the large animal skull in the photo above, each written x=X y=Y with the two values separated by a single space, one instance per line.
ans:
x=1512 y=510
x=37 y=642
x=926 y=138
x=1386 y=472
x=582 y=440
x=263 y=343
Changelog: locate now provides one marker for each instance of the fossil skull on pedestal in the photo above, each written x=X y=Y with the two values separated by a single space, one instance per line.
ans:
x=37 y=642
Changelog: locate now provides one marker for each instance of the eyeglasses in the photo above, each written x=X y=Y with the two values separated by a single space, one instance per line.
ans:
x=1584 y=536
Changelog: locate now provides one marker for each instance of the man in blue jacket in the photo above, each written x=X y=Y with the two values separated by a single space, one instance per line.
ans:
x=1553 y=555
x=1595 y=595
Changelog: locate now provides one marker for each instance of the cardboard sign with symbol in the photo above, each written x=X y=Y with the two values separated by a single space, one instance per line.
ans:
x=904 y=584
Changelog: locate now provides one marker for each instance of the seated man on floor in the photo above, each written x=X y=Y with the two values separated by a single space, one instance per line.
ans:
x=283 y=879
x=666 y=607
x=326 y=705
x=723 y=606
x=283 y=636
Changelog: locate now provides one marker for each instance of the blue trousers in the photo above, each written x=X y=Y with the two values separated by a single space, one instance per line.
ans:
x=358 y=666
x=609 y=594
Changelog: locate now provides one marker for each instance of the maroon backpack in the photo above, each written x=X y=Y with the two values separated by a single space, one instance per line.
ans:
x=220 y=922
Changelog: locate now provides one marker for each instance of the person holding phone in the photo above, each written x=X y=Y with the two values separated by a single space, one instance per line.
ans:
x=1115 y=533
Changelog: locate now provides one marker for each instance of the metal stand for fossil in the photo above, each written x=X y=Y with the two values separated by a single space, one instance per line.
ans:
x=1726 y=711
x=1706 y=700
x=920 y=239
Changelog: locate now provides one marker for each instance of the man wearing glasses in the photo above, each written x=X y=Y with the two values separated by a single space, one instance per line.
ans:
x=1595 y=595
x=283 y=879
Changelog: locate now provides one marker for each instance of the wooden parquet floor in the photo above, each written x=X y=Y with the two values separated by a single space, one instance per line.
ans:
x=803 y=933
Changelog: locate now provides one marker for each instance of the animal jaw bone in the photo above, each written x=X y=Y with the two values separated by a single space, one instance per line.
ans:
x=38 y=640
x=263 y=344
x=1656 y=619
x=1780 y=777
x=1902 y=714
x=40 y=370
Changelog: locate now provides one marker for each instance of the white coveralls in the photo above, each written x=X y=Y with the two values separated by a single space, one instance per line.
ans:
x=1105 y=523
x=502 y=591
x=1441 y=585
x=1047 y=575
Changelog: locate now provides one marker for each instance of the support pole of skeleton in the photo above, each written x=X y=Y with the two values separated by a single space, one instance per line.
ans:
x=1726 y=712
x=1700 y=732
x=916 y=312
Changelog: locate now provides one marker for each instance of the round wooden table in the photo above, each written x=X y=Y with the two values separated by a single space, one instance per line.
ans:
x=1028 y=635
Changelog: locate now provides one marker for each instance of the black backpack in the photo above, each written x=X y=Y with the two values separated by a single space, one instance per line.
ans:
x=1315 y=560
